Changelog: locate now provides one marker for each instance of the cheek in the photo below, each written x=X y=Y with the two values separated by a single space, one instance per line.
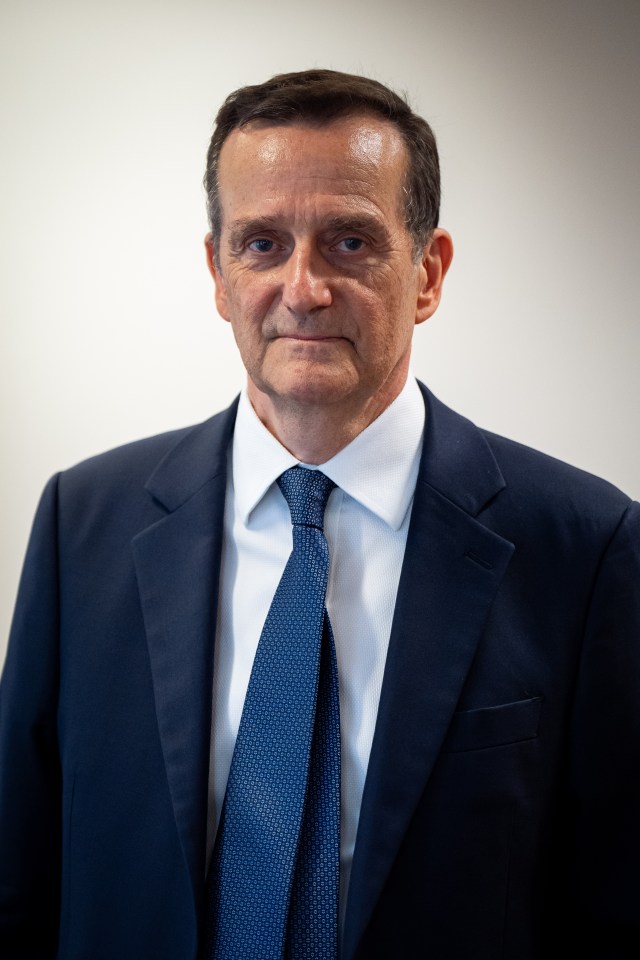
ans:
x=392 y=333
x=251 y=300
x=383 y=315
x=249 y=326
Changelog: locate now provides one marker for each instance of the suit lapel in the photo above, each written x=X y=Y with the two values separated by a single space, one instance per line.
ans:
x=178 y=564
x=452 y=568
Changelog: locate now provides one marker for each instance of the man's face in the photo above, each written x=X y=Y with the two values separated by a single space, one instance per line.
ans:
x=316 y=268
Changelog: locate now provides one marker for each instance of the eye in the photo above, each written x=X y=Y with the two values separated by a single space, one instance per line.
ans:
x=351 y=244
x=261 y=245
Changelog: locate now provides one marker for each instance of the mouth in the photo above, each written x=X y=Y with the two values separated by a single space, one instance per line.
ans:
x=306 y=338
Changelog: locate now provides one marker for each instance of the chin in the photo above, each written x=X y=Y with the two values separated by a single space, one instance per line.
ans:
x=312 y=387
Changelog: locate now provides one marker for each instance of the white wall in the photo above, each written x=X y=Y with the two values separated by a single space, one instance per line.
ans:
x=108 y=327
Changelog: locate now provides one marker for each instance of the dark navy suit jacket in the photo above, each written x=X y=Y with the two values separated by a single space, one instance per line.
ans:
x=501 y=810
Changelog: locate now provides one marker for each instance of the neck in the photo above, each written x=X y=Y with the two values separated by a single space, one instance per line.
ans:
x=314 y=433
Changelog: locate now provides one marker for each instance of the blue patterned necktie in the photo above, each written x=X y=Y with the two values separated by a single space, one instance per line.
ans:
x=273 y=882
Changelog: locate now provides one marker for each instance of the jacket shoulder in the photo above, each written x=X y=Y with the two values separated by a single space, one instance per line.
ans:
x=537 y=475
x=134 y=462
x=517 y=490
x=137 y=457
x=126 y=480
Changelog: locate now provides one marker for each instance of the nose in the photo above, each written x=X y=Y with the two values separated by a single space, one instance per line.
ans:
x=305 y=286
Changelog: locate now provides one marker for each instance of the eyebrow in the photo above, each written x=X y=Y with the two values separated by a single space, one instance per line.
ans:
x=339 y=223
x=248 y=224
x=240 y=228
x=359 y=222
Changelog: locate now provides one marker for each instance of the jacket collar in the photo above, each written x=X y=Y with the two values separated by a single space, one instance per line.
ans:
x=452 y=568
x=177 y=562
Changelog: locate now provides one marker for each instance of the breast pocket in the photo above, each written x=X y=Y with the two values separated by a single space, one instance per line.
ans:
x=494 y=726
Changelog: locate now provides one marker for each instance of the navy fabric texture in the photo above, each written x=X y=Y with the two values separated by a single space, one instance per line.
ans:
x=275 y=868
x=500 y=808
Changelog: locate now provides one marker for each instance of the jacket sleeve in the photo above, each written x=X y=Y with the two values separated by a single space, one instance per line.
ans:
x=30 y=781
x=604 y=770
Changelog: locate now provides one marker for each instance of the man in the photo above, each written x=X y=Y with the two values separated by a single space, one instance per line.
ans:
x=481 y=620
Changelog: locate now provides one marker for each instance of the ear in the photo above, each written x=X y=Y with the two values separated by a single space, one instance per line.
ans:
x=222 y=302
x=436 y=260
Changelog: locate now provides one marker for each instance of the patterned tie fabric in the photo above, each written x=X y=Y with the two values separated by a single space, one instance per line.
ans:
x=273 y=882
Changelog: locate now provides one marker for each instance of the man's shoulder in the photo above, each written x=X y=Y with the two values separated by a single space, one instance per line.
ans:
x=132 y=465
x=567 y=511
x=526 y=485
x=547 y=478
x=135 y=456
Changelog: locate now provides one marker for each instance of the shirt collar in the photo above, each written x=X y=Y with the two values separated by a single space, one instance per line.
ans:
x=379 y=468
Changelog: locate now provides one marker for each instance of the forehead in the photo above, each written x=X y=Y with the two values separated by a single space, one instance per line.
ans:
x=359 y=155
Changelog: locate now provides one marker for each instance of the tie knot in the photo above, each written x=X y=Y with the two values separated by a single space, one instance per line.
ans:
x=306 y=493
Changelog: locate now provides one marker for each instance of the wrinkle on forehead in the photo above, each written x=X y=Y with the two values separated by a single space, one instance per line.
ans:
x=368 y=140
x=360 y=159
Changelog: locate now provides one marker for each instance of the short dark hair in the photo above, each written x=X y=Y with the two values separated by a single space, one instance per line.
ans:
x=319 y=97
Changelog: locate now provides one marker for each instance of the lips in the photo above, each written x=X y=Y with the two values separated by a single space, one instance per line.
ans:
x=309 y=337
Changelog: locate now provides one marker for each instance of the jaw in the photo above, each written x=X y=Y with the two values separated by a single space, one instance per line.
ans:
x=316 y=406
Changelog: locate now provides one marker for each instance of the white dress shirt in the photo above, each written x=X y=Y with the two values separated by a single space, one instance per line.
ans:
x=366 y=523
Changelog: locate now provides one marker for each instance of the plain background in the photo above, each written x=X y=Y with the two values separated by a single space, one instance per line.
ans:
x=109 y=331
